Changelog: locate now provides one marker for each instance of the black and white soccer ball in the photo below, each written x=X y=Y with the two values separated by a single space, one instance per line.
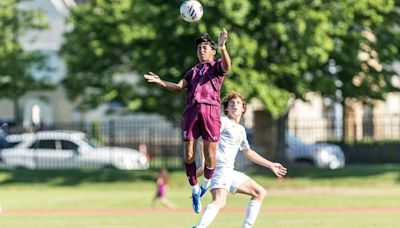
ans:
x=191 y=10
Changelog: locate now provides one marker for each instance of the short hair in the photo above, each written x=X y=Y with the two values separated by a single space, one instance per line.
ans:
x=231 y=96
x=204 y=37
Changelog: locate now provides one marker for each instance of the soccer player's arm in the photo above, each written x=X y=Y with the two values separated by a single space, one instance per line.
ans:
x=226 y=59
x=256 y=158
x=278 y=169
x=251 y=154
x=151 y=77
x=181 y=85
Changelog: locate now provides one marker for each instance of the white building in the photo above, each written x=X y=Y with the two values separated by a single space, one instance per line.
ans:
x=50 y=106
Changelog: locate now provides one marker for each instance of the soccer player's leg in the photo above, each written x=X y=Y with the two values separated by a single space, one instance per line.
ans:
x=200 y=163
x=190 y=167
x=210 y=160
x=191 y=131
x=212 y=209
x=220 y=185
x=210 y=119
x=257 y=193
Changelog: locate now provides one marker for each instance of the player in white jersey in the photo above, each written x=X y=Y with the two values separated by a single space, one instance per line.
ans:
x=232 y=140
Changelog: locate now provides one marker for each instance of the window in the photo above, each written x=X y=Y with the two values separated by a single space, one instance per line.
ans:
x=45 y=144
x=68 y=145
x=12 y=144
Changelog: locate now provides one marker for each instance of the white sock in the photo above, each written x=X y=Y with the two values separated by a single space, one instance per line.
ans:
x=195 y=189
x=208 y=216
x=251 y=214
x=206 y=183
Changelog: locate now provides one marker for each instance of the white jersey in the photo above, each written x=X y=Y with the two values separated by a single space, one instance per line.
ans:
x=232 y=140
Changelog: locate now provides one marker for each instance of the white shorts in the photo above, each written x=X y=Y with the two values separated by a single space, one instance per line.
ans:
x=228 y=179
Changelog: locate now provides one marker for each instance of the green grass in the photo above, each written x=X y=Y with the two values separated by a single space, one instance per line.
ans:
x=370 y=186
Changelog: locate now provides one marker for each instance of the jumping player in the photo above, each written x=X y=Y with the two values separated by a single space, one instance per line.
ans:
x=226 y=179
x=202 y=113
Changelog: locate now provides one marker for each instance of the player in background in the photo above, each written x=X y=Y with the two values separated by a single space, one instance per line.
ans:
x=202 y=113
x=162 y=188
x=233 y=139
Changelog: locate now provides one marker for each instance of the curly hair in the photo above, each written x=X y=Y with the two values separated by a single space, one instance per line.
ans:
x=207 y=39
x=231 y=96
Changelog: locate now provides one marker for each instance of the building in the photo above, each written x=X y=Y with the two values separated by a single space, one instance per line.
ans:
x=48 y=106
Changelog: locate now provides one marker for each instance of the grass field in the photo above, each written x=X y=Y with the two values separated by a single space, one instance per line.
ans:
x=357 y=196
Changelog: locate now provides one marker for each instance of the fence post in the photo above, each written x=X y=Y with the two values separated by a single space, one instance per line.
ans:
x=111 y=132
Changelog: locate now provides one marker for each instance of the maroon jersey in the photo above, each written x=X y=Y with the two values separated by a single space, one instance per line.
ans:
x=204 y=83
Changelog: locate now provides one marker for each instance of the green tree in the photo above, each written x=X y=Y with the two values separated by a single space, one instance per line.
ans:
x=361 y=64
x=17 y=65
x=278 y=48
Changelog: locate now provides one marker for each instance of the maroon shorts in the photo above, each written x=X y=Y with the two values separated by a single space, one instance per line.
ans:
x=202 y=120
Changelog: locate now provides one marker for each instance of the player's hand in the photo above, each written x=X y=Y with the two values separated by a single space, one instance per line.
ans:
x=152 y=77
x=223 y=37
x=279 y=170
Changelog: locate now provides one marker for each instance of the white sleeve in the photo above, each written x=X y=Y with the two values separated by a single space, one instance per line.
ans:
x=223 y=124
x=245 y=143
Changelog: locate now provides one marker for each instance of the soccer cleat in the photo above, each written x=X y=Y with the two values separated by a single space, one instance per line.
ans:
x=202 y=191
x=196 y=203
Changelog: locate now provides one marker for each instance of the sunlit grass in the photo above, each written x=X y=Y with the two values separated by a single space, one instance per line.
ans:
x=372 y=186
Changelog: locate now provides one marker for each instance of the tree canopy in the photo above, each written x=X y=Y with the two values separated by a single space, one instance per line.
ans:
x=279 y=49
x=16 y=64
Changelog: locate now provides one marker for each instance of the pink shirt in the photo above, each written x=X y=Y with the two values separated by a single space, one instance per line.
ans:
x=204 y=83
x=161 y=190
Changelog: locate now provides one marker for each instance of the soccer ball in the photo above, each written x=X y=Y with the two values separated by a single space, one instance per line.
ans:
x=191 y=10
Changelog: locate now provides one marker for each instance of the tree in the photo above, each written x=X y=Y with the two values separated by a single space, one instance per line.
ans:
x=360 y=65
x=278 y=48
x=17 y=65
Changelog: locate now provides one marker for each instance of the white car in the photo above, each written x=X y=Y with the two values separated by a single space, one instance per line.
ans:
x=66 y=150
x=322 y=155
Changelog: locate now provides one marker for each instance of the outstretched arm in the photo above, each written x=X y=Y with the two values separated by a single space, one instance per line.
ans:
x=278 y=169
x=226 y=60
x=151 y=77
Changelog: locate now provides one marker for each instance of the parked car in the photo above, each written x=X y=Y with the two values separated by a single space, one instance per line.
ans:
x=322 y=155
x=67 y=150
x=3 y=141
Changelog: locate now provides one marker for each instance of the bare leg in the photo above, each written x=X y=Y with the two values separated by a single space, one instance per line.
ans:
x=257 y=193
x=253 y=189
x=167 y=203
x=209 y=149
x=200 y=152
x=190 y=151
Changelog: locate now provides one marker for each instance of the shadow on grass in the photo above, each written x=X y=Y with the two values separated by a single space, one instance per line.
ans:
x=74 y=177
x=110 y=175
